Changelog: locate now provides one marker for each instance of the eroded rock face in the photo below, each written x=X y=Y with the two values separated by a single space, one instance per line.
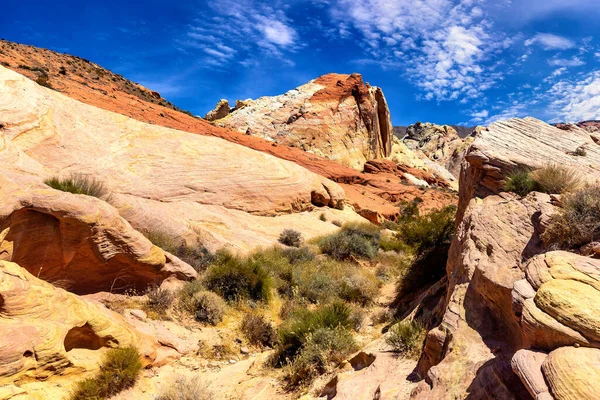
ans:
x=471 y=350
x=194 y=187
x=335 y=116
x=40 y=325
x=438 y=143
x=78 y=242
x=516 y=143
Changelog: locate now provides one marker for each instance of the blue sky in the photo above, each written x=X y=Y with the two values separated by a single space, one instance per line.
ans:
x=444 y=61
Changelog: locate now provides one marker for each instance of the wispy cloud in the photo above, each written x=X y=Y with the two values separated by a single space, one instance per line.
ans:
x=239 y=30
x=551 y=42
x=576 y=99
x=566 y=62
x=441 y=43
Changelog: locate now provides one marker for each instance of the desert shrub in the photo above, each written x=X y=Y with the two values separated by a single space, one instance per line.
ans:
x=235 y=278
x=323 y=217
x=298 y=255
x=323 y=346
x=354 y=241
x=119 y=370
x=258 y=331
x=427 y=231
x=357 y=318
x=186 y=295
x=296 y=331
x=43 y=80
x=337 y=222
x=290 y=237
x=360 y=287
x=79 y=184
x=198 y=257
x=406 y=337
x=208 y=307
x=159 y=300
x=162 y=239
x=520 y=182
x=554 y=178
x=578 y=222
x=276 y=264
x=186 y=388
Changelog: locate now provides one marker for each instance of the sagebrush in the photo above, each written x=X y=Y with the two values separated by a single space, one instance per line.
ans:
x=79 y=184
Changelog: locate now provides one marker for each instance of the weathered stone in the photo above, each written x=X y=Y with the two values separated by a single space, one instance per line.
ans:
x=573 y=373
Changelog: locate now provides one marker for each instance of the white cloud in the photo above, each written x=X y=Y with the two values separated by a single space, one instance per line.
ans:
x=239 y=29
x=576 y=100
x=442 y=44
x=566 y=62
x=551 y=42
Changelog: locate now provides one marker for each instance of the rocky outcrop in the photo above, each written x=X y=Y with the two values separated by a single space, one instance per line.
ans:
x=335 y=116
x=221 y=110
x=194 y=187
x=438 y=143
x=515 y=316
x=522 y=143
x=78 y=242
x=43 y=329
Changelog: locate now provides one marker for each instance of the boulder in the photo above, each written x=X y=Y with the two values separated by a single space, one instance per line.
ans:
x=40 y=325
x=573 y=373
x=221 y=110
x=335 y=116
x=78 y=242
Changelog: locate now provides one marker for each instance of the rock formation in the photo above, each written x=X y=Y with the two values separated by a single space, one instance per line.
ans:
x=193 y=187
x=42 y=328
x=335 y=116
x=518 y=322
x=438 y=143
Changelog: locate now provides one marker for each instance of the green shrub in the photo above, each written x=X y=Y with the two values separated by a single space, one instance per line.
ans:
x=159 y=300
x=554 y=179
x=186 y=388
x=323 y=217
x=359 y=287
x=235 y=278
x=208 y=307
x=290 y=237
x=578 y=222
x=198 y=257
x=79 y=184
x=520 y=182
x=186 y=295
x=258 y=331
x=296 y=331
x=425 y=232
x=406 y=337
x=551 y=179
x=323 y=346
x=354 y=241
x=298 y=255
x=119 y=370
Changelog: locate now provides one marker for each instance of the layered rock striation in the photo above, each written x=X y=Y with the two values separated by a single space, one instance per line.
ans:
x=335 y=116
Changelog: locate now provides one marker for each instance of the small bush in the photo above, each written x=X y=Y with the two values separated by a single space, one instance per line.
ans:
x=354 y=241
x=298 y=255
x=198 y=257
x=186 y=388
x=43 y=80
x=520 y=182
x=186 y=295
x=159 y=300
x=258 y=331
x=79 y=184
x=323 y=346
x=290 y=237
x=406 y=337
x=208 y=307
x=236 y=278
x=163 y=240
x=337 y=222
x=323 y=217
x=554 y=178
x=296 y=331
x=578 y=222
x=360 y=287
x=425 y=232
x=119 y=370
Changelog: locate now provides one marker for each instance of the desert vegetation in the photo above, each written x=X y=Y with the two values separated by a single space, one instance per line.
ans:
x=551 y=179
x=79 y=184
x=406 y=337
x=186 y=388
x=119 y=370
x=578 y=221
